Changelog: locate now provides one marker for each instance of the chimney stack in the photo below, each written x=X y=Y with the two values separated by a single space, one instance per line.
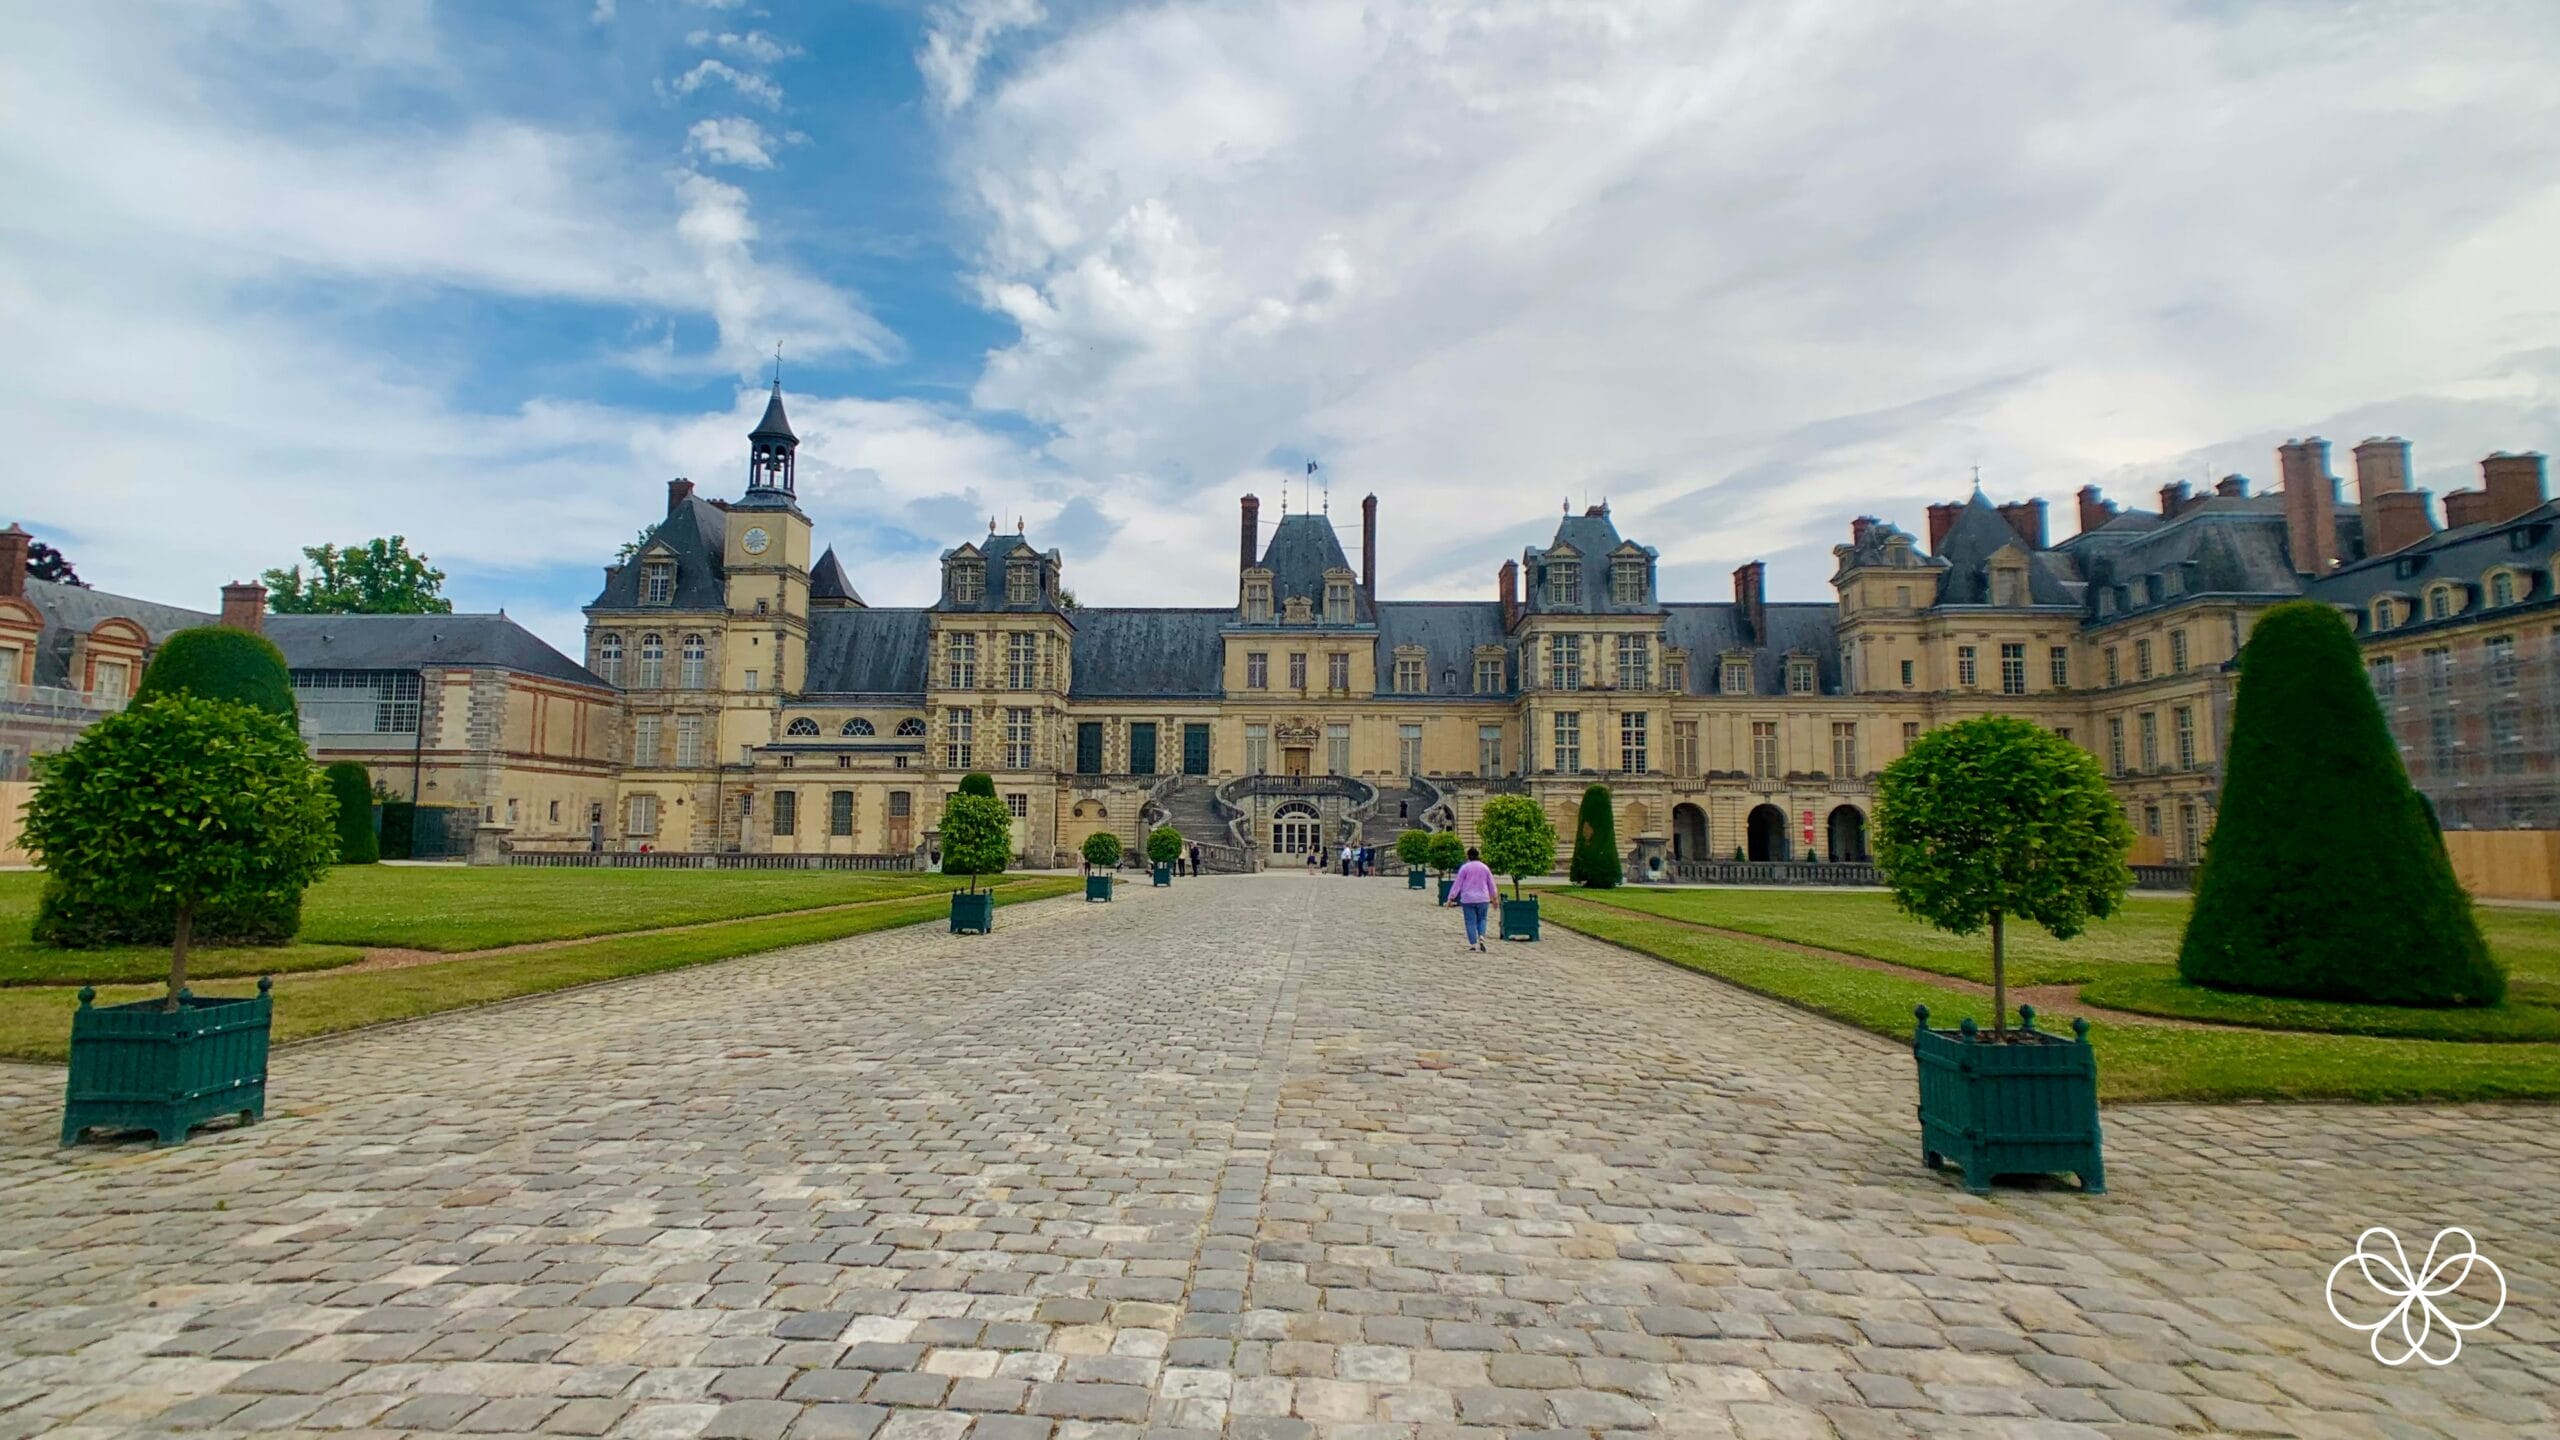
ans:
x=2382 y=467
x=2311 y=504
x=1369 y=547
x=2095 y=509
x=2395 y=520
x=1861 y=528
x=2467 y=507
x=2173 y=498
x=1942 y=518
x=2027 y=518
x=2513 y=483
x=1749 y=597
x=1508 y=588
x=2232 y=487
x=1252 y=541
x=14 y=543
x=244 y=606
x=678 y=492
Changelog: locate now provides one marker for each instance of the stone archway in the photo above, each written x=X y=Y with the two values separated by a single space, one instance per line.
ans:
x=1689 y=833
x=1848 y=832
x=1296 y=829
x=1768 y=833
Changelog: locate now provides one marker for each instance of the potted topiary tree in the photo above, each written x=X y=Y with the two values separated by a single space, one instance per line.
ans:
x=1517 y=840
x=1164 y=846
x=1979 y=823
x=1413 y=847
x=175 y=806
x=1101 y=852
x=352 y=788
x=1447 y=853
x=977 y=839
x=1596 y=862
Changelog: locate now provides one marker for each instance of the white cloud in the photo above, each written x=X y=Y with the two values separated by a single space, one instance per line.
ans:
x=602 y=14
x=962 y=35
x=750 y=86
x=730 y=140
x=754 y=46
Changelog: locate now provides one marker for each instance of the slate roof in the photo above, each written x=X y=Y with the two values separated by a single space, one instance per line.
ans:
x=1149 y=653
x=697 y=531
x=1449 y=631
x=70 y=611
x=418 y=642
x=827 y=580
x=775 y=425
x=2464 y=555
x=999 y=551
x=1978 y=534
x=1594 y=538
x=1707 y=631
x=2217 y=545
x=879 y=652
x=1302 y=551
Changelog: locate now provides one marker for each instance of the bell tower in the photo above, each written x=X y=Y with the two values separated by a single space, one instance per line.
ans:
x=767 y=561
x=772 y=459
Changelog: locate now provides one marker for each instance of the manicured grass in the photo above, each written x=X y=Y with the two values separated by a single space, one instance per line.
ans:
x=2157 y=990
x=2135 y=1062
x=23 y=962
x=35 y=1024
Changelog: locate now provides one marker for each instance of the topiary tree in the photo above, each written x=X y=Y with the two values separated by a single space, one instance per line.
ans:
x=1413 y=847
x=1993 y=819
x=978 y=783
x=220 y=663
x=1102 y=850
x=1516 y=838
x=353 y=789
x=1596 y=862
x=1446 y=852
x=977 y=836
x=1164 y=845
x=2324 y=877
x=180 y=803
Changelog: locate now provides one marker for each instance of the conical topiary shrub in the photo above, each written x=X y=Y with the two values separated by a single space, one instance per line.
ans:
x=2323 y=878
x=352 y=788
x=1595 y=843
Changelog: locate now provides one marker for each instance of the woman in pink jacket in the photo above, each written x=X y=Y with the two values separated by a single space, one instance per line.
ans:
x=1472 y=890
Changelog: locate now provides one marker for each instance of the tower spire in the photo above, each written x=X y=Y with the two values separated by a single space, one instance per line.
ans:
x=773 y=451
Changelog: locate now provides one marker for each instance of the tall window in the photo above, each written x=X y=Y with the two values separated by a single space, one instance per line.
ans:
x=2506 y=737
x=1675 y=674
x=2115 y=744
x=786 y=812
x=2439 y=663
x=653 y=661
x=1964 y=666
x=1910 y=733
x=608 y=659
x=840 y=812
x=1489 y=675
x=1257 y=670
x=1906 y=674
x=2386 y=676
x=2112 y=676
x=1337 y=602
x=644 y=740
x=2439 y=602
x=1564 y=662
x=696 y=658
x=2013 y=669
x=2188 y=835
x=2148 y=723
x=2142 y=659
x=1298 y=670
x=961 y=653
x=1844 y=749
x=2500 y=651
x=2386 y=612
x=657 y=584
x=644 y=815
x=1635 y=752
x=1337 y=671
x=1626 y=580
x=1737 y=676
x=1017 y=804
x=1017 y=738
x=1568 y=742
x=1635 y=662
x=1337 y=749
x=1021 y=660
x=2182 y=721
x=2502 y=587
x=968 y=582
x=2151 y=819
x=1257 y=749
x=959 y=729
x=1021 y=582
x=2060 y=659
x=2442 y=743
x=1800 y=675
x=1257 y=600
x=1564 y=582
x=688 y=741
x=2177 y=652
x=1488 y=750
x=1409 y=749
x=1409 y=677
x=1764 y=749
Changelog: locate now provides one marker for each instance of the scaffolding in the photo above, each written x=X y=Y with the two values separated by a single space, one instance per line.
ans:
x=2478 y=726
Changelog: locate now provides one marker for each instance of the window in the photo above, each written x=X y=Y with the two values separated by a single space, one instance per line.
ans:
x=2177 y=652
x=1635 y=662
x=2386 y=613
x=2058 y=661
x=2500 y=651
x=1764 y=749
x=1021 y=661
x=512 y=811
x=1017 y=737
x=1675 y=674
x=1964 y=666
x=786 y=812
x=657 y=584
x=2182 y=720
x=912 y=727
x=750 y=680
x=1800 y=675
x=1844 y=750
x=2502 y=587
x=2013 y=669
x=644 y=740
x=788 y=760
x=340 y=702
x=2148 y=724
x=688 y=741
x=2439 y=663
x=2112 y=677
x=1626 y=580
x=2439 y=601
x=1257 y=749
x=608 y=659
x=1337 y=602
x=1684 y=748
x=644 y=815
x=2062 y=730
x=1297 y=670
x=1409 y=676
x=1737 y=676
x=2189 y=836
x=1910 y=733
x=1568 y=742
x=802 y=726
x=1906 y=674
x=1142 y=747
x=1902 y=597
x=1018 y=804
x=1337 y=749
x=1564 y=662
x=1257 y=600
x=696 y=658
x=1409 y=749
x=1021 y=582
x=2506 y=737
x=653 y=662
x=958 y=729
x=1489 y=675
x=857 y=726
x=2115 y=744
x=2385 y=673
x=2150 y=819
x=2142 y=659
x=1088 y=747
x=1337 y=671
x=555 y=808
x=1564 y=582
x=1488 y=750
x=1257 y=670
x=1634 y=753
x=840 y=812
x=2008 y=586
x=968 y=582
x=843 y=761
x=961 y=653
x=2441 y=742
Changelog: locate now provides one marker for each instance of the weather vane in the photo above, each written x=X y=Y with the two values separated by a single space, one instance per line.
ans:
x=777 y=364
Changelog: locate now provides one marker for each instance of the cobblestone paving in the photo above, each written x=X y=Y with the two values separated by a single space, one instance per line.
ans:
x=1267 y=1156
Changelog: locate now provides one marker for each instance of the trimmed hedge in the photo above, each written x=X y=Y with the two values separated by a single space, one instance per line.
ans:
x=352 y=787
x=978 y=783
x=219 y=663
x=1596 y=862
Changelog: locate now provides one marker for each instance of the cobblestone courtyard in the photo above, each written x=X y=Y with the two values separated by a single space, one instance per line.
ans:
x=1271 y=1156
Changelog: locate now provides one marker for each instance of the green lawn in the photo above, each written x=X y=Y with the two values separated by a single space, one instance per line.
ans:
x=35 y=1023
x=2135 y=1062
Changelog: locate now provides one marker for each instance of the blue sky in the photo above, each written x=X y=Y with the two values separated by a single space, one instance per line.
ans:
x=488 y=274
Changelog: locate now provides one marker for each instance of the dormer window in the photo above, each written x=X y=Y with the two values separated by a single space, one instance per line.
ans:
x=1564 y=582
x=1337 y=602
x=658 y=582
x=1737 y=675
x=1021 y=582
x=2439 y=601
x=968 y=582
x=2502 y=587
x=1626 y=580
x=2386 y=613
x=1800 y=675
x=2008 y=586
x=1257 y=599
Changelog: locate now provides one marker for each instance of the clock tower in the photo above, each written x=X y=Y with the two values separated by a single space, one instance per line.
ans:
x=767 y=560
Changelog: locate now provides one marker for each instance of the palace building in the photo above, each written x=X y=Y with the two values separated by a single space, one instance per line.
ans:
x=738 y=695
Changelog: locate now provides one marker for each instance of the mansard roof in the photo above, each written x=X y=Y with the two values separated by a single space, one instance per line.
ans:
x=67 y=612
x=695 y=535
x=1449 y=633
x=1709 y=632
x=1137 y=653
x=870 y=652
x=1980 y=533
x=2528 y=542
x=1302 y=552
x=998 y=552
x=2214 y=545
x=418 y=642
x=1591 y=538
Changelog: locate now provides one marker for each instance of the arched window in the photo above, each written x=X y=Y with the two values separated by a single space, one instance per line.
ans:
x=912 y=728
x=2386 y=612
x=802 y=726
x=695 y=653
x=2439 y=601
x=857 y=726
x=2502 y=587
x=609 y=657
x=653 y=661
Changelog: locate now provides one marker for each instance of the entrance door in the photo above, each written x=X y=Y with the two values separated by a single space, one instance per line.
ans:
x=899 y=833
x=1848 y=834
x=1768 y=839
x=1294 y=761
x=1089 y=747
x=1689 y=833
x=1195 y=749
x=1142 y=748
x=1293 y=829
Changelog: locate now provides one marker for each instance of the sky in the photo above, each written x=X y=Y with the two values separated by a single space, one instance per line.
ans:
x=488 y=273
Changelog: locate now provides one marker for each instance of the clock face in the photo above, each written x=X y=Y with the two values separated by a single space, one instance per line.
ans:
x=756 y=540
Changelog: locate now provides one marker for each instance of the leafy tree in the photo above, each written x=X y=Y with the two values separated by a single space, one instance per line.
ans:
x=1447 y=852
x=1164 y=845
x=46 y=563
x=1596 y=862
x=1993 y=819
x=215 y=662
x=1102 y=849
x=978 y=783
x=353 y=790
x=377 y=577
x=635 y=544
x=2325 y=877
x=1516 y=838
x=1413 y=847
x=179 y=803
x=977 y=836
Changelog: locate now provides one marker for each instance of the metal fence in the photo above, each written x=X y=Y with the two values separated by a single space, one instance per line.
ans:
x=703 y=860
x=1808 y=873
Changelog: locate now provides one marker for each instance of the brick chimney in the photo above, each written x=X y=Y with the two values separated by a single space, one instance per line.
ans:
x=1369 y=546
x=2232 y=487
x=1942 y=518
x=2513 y=483
x=678 y=492
x=244 y=606
x=2382 y=467
x=14 y=543
x=2027 y=518
x=2095 y=509
x=1508 y=588
x=1252 y=541
x=2311 y=504
x=1750 y=598
x=2395 y=520
x=1861 y=528
x=2466 y=507
x=2173 y=498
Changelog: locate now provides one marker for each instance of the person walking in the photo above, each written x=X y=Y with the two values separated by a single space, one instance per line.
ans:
x=1195 y=859
x=1346 y=859
x=1473 y=891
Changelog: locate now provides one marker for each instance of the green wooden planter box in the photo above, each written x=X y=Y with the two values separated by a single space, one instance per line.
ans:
x=1519 y=919
x=140 y=1067
x=1445 y=883
x=973 y=911
x=1164 y=875
x=1097 y=887
x=1416 y=879
x=2029 y=1107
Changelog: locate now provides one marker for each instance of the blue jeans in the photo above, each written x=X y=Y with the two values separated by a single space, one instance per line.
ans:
x=1475 y=913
